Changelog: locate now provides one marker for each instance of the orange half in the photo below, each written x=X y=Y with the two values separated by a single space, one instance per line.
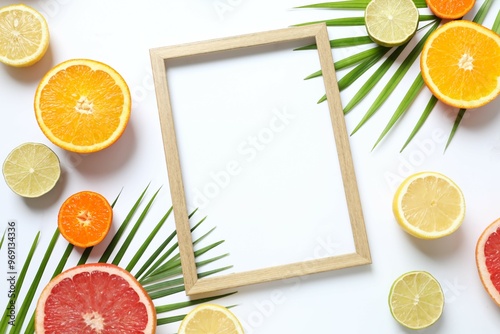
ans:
x=460 y=63
x=82 y=105
x=85 y=218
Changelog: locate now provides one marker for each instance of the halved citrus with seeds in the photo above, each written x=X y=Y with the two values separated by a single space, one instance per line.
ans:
x=24 y=35
x=31 y=170
x=85 y=218
x=429 y=205
x=447 y=9
x=82 y=105
x=391 y=22
x=488 y=260
x=95 y=298
x=460 y=63
x=416 y=300
x=210 y=318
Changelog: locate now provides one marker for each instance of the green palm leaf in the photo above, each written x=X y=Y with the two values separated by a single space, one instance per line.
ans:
x=374 y=79
x=358 y=71
x=166 y=282
x=408 y=99
x=482 y=12
x=158 y=260
x=460 y=115
x=353 y=4
x=353 y=60
x=355 y=21
x=396 y=78
x=340 y=22
x=28 y=299
x=358 y=57
x=425 y=114
x=140 y=253
x=181 y=305
x=116 y=238
x=4 y=322
x=341 y=43
x=133 y=231
x=345 y=4
x=370 y=60
x=496 y=24
x=3 y=238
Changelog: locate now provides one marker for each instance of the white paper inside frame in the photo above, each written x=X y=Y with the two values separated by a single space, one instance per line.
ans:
x=258 y=155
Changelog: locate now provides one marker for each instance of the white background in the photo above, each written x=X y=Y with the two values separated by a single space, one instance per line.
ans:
x=120 y=33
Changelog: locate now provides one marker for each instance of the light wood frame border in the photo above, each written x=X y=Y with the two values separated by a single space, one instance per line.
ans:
x=199 y=286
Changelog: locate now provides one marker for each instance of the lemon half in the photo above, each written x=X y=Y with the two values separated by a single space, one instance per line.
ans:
x=429 y=205
x=210 y=318
x=31 y=170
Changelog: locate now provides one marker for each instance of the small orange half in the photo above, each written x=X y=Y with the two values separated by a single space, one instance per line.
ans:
x=85 y=218
x=460 y=63
x=82 y=105
x=450 y=9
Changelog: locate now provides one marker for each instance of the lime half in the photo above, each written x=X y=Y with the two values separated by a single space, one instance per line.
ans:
x=31 y=170
x=416 y=300
x=391 y=22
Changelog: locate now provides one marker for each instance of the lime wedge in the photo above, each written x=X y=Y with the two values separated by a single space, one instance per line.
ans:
x=31 y=170
x=416 y=300
x=391 y=22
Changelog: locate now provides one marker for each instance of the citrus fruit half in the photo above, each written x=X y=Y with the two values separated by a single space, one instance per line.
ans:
x=391 y=22
x=95 y=298
x=82 y=105
x=24 y=35
x=85 y=218
x=416 y=300
x=460 y=63
x=31 y=170
x=210 y=318
x=488 y=260
x=429 y=205
x=447 y=9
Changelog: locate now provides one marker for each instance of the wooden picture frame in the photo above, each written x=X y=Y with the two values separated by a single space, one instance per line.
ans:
x=195 y=285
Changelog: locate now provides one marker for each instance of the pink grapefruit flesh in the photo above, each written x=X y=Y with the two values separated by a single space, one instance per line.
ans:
x=488 y=260
x=95 y=298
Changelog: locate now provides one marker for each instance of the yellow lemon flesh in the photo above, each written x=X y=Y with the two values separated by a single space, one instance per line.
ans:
x=429 y=205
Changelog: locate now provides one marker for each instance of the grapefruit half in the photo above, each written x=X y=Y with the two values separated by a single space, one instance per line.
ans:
x=95 y=298
x=488 y=260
